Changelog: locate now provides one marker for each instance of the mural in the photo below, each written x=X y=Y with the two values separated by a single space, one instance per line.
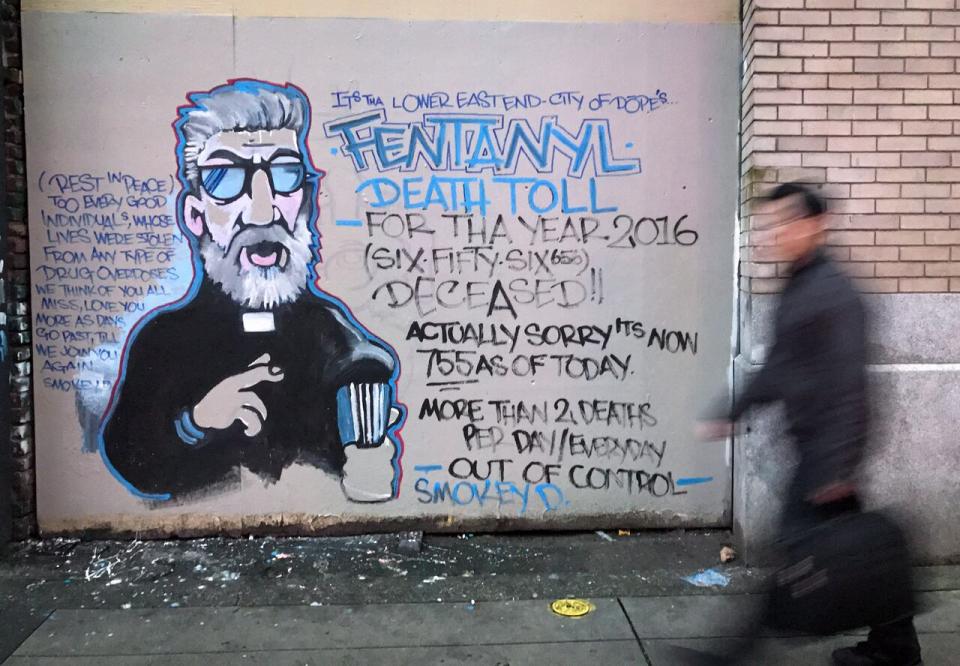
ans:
x=268 y=369
x=544 y=247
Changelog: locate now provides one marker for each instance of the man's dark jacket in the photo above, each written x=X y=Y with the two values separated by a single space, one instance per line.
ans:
x=180 y=355
x=817 y=367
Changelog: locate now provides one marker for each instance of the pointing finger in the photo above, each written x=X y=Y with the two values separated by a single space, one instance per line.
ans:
x=261 y=360
x=256 y=375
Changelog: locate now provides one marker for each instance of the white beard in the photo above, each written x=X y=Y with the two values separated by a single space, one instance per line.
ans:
x=261 y=288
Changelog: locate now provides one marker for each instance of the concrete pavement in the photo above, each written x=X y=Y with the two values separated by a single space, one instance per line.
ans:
x=633 y=630
x=479 y=600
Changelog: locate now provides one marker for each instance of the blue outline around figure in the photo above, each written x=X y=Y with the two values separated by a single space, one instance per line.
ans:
x=196 y=101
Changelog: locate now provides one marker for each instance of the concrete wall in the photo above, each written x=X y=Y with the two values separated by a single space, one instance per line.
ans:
x=594 y=288
x=914 y=382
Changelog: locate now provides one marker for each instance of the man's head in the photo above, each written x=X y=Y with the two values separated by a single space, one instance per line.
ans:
x=794 y=218
x=249 y=188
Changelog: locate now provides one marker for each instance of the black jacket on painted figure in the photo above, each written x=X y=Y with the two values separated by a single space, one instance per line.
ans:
x=179 y=356
x=817 y=367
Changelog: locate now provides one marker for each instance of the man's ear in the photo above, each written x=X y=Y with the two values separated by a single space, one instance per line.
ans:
x=193 y=215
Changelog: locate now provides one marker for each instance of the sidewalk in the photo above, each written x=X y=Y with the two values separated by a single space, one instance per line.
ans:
x=482 y=600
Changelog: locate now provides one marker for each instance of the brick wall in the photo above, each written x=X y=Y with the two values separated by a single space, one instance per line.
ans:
x=16 y=274
x=862 y=96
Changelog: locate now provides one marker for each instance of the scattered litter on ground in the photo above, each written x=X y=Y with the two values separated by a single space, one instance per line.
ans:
x=708 y=578
x=126 y=606
x=222 y=571
x=727 y=554
x=390 y=564
x=102 y=567
x=623 y=532
x=411 y=543
x=224 y=576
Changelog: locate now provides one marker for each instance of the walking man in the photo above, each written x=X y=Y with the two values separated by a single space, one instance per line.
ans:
x=817 y=369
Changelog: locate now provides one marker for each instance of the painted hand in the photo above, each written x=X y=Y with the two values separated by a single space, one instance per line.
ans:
x=234 y=400
x=369 y=473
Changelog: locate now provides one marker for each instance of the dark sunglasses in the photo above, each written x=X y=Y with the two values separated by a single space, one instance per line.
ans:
x=229 y=182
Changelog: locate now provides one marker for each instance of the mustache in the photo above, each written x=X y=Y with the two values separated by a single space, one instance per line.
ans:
x=275 y=232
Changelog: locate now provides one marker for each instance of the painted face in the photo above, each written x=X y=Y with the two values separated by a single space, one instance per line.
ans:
x=251 y=216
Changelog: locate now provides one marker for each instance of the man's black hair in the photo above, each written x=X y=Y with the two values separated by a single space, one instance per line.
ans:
x=813 y=204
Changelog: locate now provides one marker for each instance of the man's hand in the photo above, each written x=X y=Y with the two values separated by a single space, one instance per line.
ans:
x=833 y=492
x=234 y=400
x=368 y=474
x=713 y=430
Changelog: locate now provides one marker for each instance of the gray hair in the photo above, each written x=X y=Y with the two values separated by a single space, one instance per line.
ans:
x=242 y=106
